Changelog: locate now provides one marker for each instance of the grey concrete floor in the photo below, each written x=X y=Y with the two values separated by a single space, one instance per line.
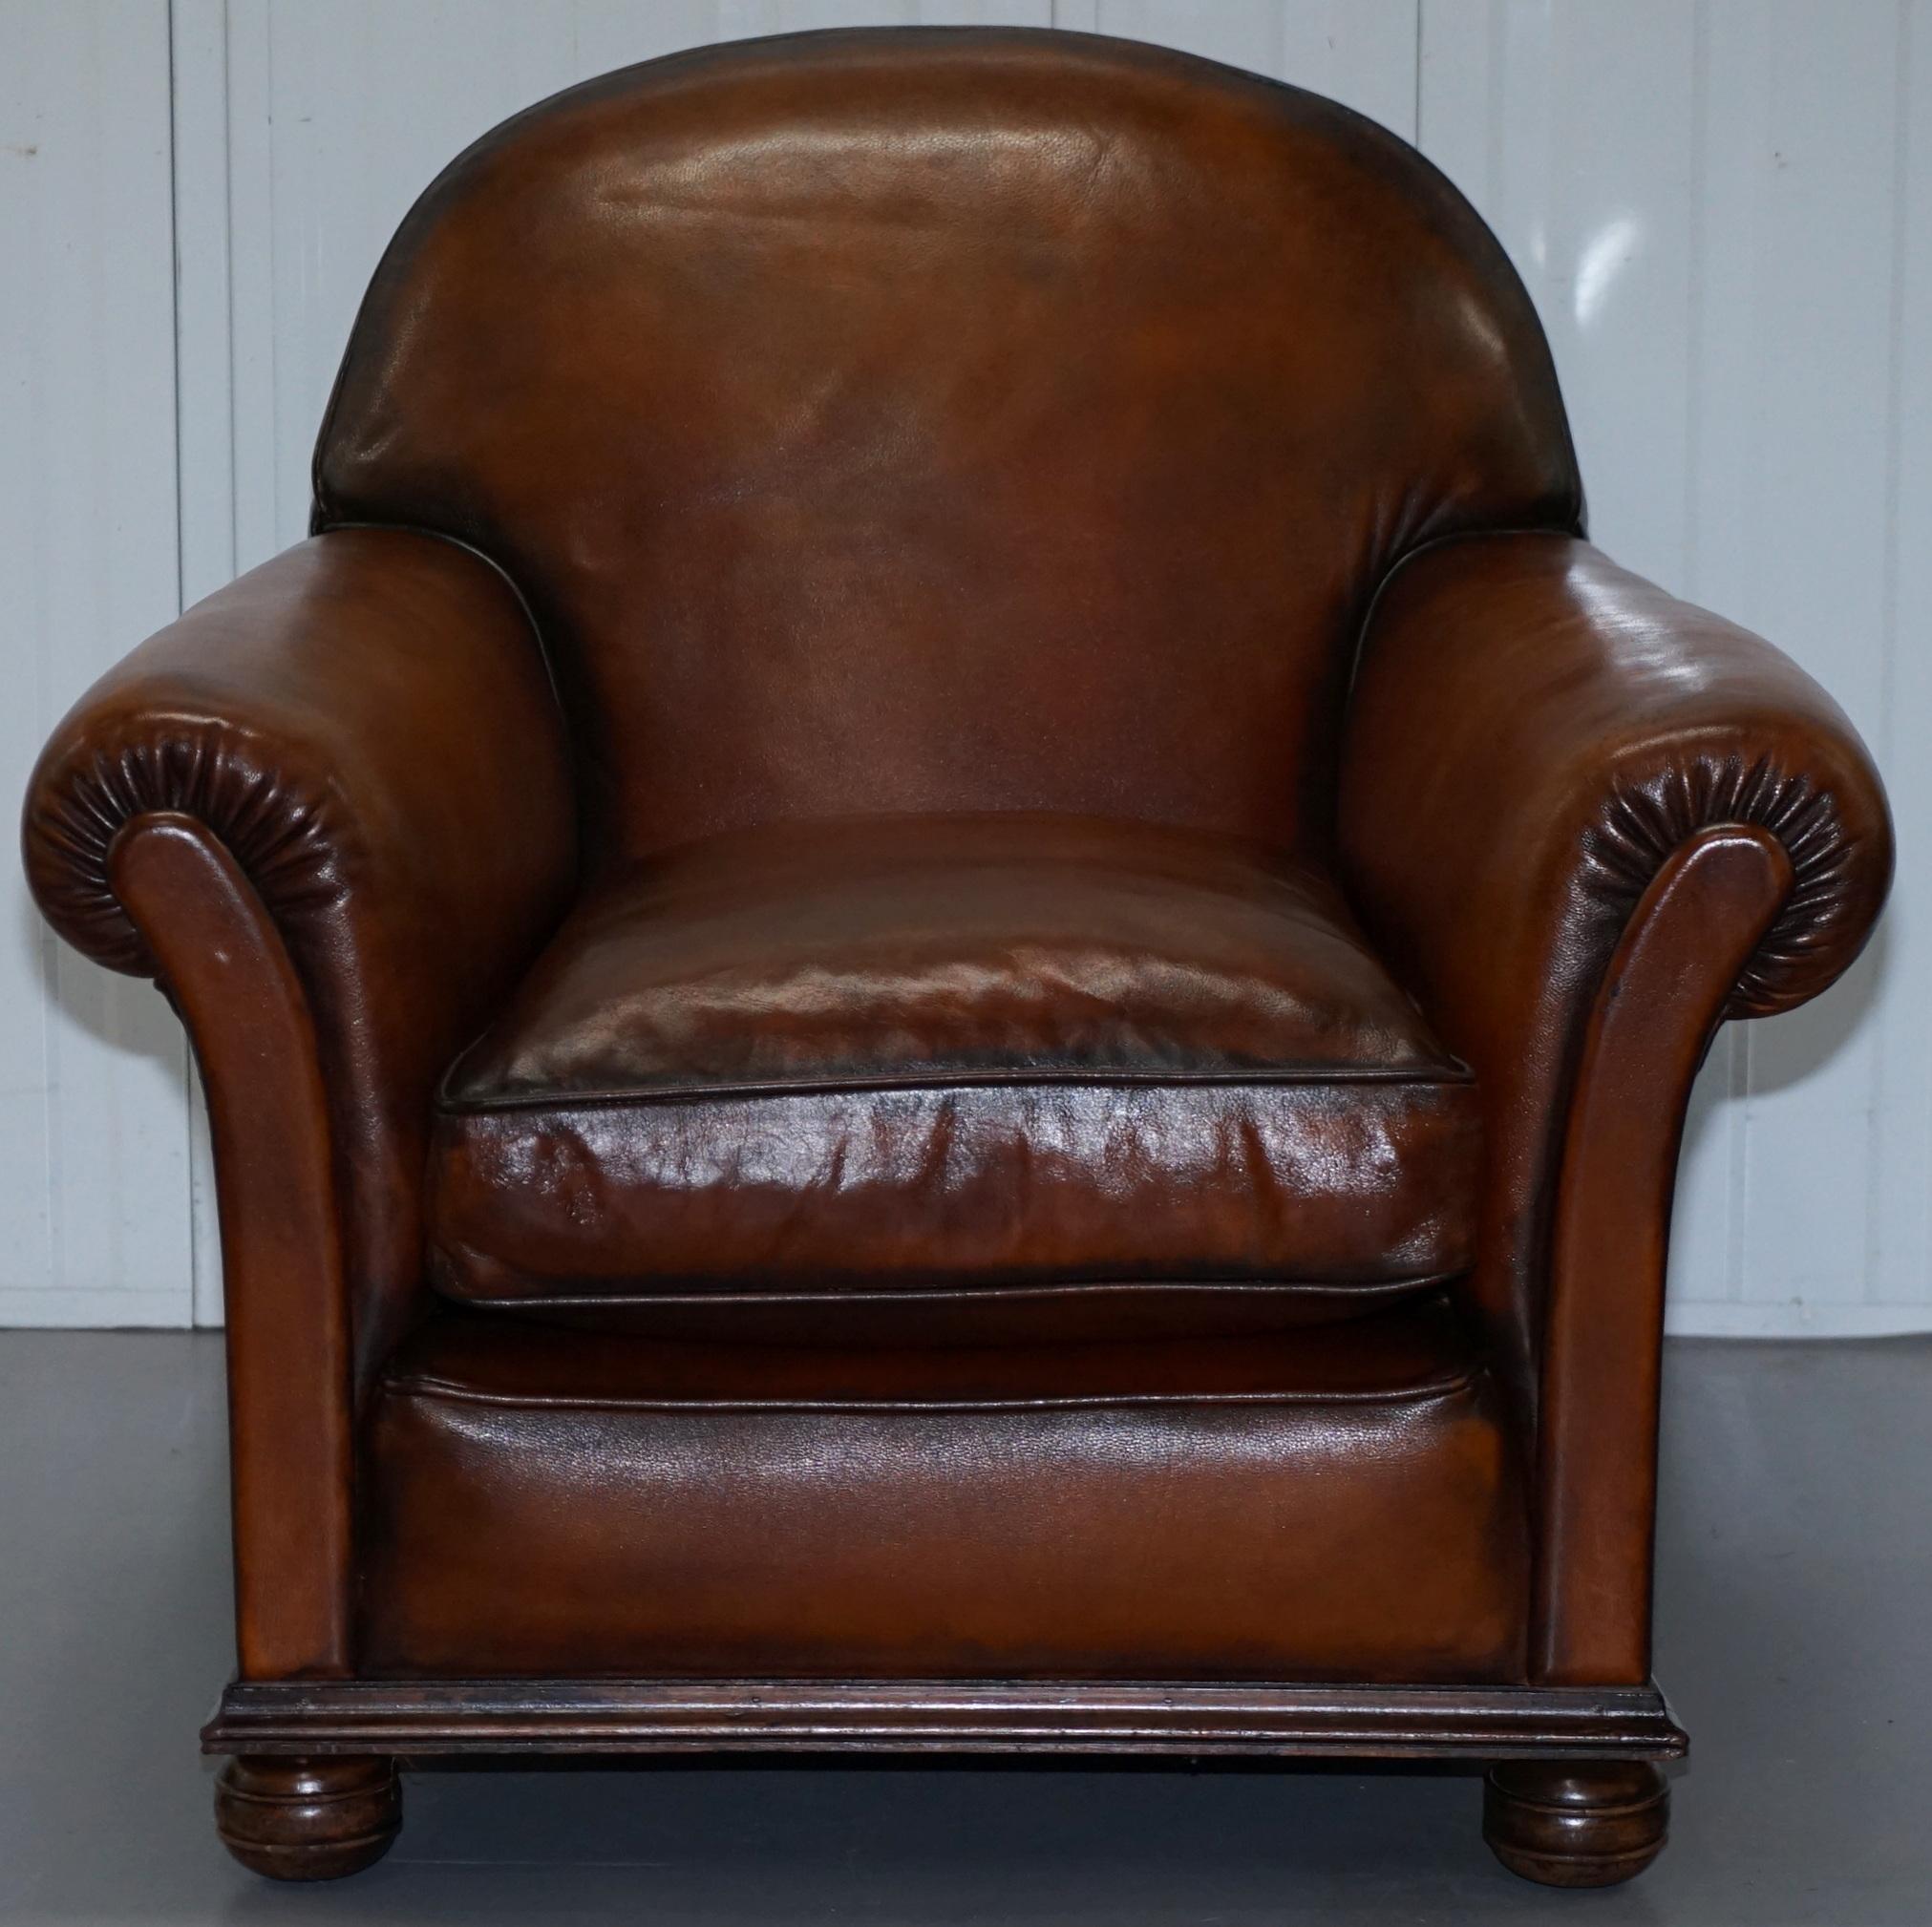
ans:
x=1795 y=1638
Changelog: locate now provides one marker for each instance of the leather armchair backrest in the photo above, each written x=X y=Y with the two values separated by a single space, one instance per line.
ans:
x=920 y=419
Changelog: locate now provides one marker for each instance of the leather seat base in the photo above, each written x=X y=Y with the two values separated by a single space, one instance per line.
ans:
x=1341 y=1502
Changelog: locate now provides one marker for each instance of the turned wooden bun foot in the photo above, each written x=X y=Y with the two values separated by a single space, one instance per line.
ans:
x=1576 y=1823
x=307 y=1818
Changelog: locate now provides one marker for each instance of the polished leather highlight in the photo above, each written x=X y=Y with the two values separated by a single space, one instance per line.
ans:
x=946 y=421
x=961 y=1053
x=1344 y=1503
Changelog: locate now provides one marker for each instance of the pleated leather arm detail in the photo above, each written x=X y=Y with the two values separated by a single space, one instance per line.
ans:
x=1837 y=878
x=280 y=828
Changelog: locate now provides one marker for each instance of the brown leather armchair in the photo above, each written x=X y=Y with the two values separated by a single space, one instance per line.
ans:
x=947 y=946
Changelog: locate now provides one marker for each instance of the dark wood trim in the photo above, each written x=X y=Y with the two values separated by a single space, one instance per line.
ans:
x=594 y=1716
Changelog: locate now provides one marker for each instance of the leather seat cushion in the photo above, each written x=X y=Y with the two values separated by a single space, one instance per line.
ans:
x=1341 y=1503
x=952 y=1056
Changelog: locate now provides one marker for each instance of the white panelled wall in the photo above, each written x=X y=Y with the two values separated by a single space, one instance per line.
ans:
x=1722 y=208
x=95 y=1213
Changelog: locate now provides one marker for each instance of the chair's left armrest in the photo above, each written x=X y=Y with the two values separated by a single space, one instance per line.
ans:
x=1587 y=821
x=365 y=725
x=330 y=809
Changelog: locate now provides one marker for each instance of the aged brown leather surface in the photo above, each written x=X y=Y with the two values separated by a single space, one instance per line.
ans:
x=961 y=1052
x=366 y=724
x=952 y=480
x=1532 y=732
x=944 y=421
x=1340 y=1503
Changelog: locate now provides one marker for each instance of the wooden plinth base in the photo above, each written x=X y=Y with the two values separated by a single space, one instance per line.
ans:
x=313 y=1793
x=614 y=1716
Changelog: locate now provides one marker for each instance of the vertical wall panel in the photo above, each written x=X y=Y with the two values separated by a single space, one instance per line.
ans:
x=1359 y=51
x=94 y=1191
x=1899 y=1255
x=205 y=436
x=1822 y=343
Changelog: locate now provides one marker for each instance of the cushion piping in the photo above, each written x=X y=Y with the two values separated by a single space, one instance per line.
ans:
x=1372 y=1290
x=1294 y=1076
x=448 y=1391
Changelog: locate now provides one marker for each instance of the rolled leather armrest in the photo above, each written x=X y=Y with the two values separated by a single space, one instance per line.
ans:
x=1533 y=732
x=366 y=727
x=1586 y=823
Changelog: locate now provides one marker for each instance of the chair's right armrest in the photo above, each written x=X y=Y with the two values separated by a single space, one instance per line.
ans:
x=1534 y=735
x=330 y=809
x=1586 y=821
